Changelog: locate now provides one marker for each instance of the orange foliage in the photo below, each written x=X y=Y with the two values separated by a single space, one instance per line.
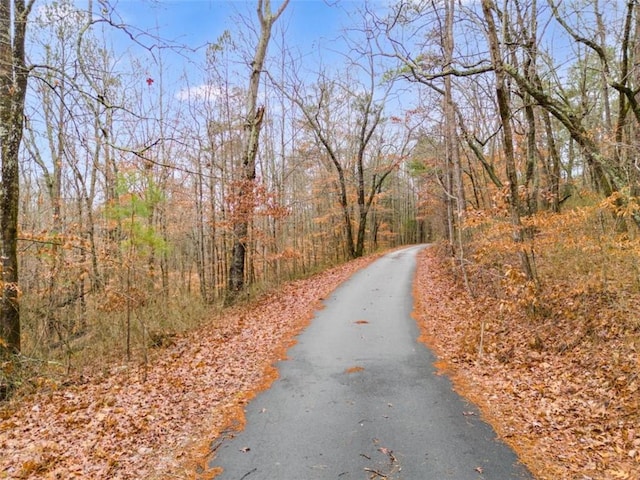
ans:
x=554 y=365
x=354 y=369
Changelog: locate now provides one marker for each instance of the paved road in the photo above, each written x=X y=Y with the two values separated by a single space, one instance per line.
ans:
x=362 y=400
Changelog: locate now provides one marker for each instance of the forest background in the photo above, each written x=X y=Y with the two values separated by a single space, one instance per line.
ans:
x=508 y=132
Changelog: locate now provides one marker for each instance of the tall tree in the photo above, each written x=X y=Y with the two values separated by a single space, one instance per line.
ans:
x=504 y=109
x=57 y=24
x=344 y=114
x=351 y=154
x=13 y=87
x=453 y=168
x=244 y=205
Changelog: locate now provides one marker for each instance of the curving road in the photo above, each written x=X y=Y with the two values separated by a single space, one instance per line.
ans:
x=359 y=398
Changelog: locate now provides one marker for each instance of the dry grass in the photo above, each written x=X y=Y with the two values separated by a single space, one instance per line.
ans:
x=72 y=350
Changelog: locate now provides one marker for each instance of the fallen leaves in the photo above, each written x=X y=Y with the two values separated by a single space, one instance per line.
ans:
x=386 y=468
x=160 y=422
x=354 y=369
x=569 y=407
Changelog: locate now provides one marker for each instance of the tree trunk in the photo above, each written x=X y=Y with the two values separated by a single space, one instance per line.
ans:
x=244 y=197
x=13 y=87
x=455 y=196
x=553 y=164
x=504 y=108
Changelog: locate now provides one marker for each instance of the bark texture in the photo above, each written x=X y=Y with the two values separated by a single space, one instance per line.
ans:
x=13 y=86
x=244 y=204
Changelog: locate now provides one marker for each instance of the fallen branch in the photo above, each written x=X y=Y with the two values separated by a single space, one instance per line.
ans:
x=375 y=472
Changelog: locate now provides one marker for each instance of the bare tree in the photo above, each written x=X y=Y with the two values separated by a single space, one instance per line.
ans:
x=255 y=114
x=504 y=109
x=345 y=116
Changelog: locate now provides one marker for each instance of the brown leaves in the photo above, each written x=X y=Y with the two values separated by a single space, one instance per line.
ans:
x=354 y=369
x=116 y=425
x=563 y=391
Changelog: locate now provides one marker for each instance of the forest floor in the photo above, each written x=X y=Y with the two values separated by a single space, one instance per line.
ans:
x=160 y=421
x=561 y=390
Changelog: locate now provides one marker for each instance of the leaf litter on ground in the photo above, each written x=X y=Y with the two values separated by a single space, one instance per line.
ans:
x=161 y=420
x=570 y=413
x=562 y=411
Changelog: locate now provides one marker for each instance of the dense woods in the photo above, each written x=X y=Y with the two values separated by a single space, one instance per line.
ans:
x=135 y=199
x=143 y=194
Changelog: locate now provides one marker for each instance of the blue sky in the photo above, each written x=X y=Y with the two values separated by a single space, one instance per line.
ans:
x=309 y=25
x=196 y=22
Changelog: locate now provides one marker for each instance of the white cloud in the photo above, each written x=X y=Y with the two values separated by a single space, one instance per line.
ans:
x=205 y=91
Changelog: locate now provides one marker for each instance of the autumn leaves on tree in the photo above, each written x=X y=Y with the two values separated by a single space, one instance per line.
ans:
x=243 y=203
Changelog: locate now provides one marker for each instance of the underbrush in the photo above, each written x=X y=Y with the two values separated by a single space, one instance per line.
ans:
x=161 y=421
x=557 y=358
x=97 y=339
x=104 y=330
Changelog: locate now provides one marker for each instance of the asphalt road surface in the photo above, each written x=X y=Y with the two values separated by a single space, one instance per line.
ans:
x=359 y=398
